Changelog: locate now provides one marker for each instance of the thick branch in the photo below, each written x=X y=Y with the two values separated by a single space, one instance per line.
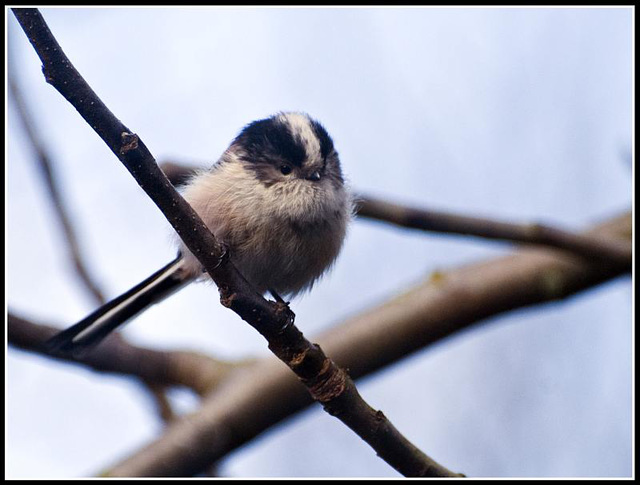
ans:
x=326 y=382
x=265 y=393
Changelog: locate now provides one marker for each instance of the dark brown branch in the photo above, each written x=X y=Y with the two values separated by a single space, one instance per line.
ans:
x=115 y=355
x=615 y=251
x=326 y=382
x=46 y=170
x=444 y=305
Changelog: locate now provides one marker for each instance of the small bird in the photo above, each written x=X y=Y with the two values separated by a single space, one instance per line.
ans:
x=278 y=201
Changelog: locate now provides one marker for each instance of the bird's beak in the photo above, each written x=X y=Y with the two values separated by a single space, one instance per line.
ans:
x=314 y=177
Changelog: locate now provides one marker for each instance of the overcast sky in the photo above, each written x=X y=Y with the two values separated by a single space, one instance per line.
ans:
x=518 y=114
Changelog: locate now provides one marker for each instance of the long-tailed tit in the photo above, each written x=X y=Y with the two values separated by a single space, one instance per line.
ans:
x=276 y=198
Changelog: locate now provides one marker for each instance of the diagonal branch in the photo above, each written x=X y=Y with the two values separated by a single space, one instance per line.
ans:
x=615 y=251
x=326 y=382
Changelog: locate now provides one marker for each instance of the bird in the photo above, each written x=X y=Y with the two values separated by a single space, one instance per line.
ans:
x=278 y=201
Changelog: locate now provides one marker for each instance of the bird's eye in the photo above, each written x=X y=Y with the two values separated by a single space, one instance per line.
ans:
x=285 y=169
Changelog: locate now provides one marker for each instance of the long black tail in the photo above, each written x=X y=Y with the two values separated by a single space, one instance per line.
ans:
x=90 y=331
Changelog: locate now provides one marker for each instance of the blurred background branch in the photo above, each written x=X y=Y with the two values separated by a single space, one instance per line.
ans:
x=613 y=250
x=47 y=171
x=115 y=355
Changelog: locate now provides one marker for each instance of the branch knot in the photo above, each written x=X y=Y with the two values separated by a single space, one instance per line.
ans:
x=328 y=384
x=129 y=142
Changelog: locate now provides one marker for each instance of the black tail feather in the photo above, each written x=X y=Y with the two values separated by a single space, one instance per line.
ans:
x=84 y=335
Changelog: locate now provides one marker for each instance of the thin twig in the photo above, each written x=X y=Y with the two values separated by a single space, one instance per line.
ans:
x=326 y=382
x=46 y=170
x=613 y=250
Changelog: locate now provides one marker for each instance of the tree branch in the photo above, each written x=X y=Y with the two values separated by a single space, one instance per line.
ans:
x=115 y=355
x=259 y=395
x=611 y=250
x=326 y=382
x=263 y=394
x=46 y=170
